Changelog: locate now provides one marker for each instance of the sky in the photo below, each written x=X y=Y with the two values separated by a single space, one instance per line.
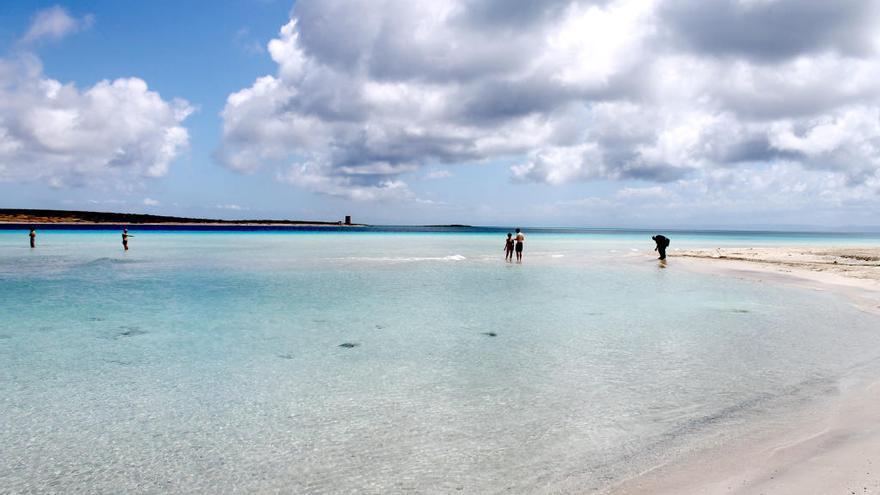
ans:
x=594 y=113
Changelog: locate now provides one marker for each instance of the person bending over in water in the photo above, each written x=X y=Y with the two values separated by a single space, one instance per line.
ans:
x=125 y=236
x=520 y=238
x=508 y=248
x=33 y=236
x=662 y=243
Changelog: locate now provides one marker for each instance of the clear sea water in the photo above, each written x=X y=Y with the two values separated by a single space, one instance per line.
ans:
x=210 y=362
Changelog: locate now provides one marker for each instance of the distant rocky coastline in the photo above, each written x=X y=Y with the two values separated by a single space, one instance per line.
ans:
x=37 y=217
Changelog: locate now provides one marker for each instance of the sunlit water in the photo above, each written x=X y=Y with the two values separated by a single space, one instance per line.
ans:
x=211 y=362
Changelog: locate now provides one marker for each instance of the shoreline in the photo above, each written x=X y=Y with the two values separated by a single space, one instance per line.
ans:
x=833 y=447
x=851 y=272
x=833 y=450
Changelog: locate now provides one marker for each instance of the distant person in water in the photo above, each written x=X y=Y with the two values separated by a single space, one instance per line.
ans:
x=125 y=236
x=33 y=236
x=508 y=248
x=520 y=238
x=662 y=243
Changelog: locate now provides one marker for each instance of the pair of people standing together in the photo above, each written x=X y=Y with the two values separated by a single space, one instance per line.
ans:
x=514 y=244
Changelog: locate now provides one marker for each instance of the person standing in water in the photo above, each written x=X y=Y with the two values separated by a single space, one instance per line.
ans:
x=662 y=243
x=508 y=248
x=125 y=236
x=33 y=236
x=520 y=238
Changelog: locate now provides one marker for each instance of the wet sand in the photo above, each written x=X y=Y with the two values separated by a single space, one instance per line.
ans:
x=836 y=452
x=832 y=450
x=851 y=271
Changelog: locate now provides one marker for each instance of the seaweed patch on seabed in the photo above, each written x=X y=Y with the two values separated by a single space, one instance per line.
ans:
x=108 y=262
x=348 y=345
x=95 y=318
x=489 y=334
x=128 y=331
x=119 y=362
x=5 y=337
x=286 y=356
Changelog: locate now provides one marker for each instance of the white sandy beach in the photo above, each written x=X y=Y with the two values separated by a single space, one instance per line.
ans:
x=857 y=267
x=835 y=450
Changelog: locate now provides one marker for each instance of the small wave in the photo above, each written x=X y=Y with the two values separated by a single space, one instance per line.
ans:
x=453 y=257
x=557 y=256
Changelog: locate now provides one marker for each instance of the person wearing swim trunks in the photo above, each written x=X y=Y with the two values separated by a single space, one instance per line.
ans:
x=33 y=236
x=520 y=238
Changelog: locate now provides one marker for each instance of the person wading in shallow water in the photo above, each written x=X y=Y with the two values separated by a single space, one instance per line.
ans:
x=33 y=236
x=520 y=238
x=662 y=243
x=125 y=236
x=508 y=247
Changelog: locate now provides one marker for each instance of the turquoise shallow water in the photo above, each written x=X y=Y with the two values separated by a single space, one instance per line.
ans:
x=210 y=362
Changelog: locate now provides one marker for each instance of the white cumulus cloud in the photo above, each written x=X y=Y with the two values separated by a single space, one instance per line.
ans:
x=438 y=174
x=109 y=133
x=672 y=92
x=230 y=206
x=55 y=23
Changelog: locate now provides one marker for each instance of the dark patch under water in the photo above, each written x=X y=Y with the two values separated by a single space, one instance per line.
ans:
x=128 y=331
x=119 y=362
x=286 y=356
x=108 y=262
x=489 y=334
x=348 y=345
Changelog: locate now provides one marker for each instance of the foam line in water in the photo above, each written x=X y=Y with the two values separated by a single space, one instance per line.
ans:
x=453 y=257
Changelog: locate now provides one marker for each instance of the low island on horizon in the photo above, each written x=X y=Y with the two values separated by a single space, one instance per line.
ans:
x=26 y=218
x=22 y=216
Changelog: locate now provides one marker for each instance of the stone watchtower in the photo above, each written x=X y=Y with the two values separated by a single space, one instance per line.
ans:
x=347 y=219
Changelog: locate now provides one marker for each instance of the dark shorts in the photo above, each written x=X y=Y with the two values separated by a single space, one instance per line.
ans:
x=519 y=246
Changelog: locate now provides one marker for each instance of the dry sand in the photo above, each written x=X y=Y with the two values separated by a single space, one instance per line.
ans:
x=834 y=450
